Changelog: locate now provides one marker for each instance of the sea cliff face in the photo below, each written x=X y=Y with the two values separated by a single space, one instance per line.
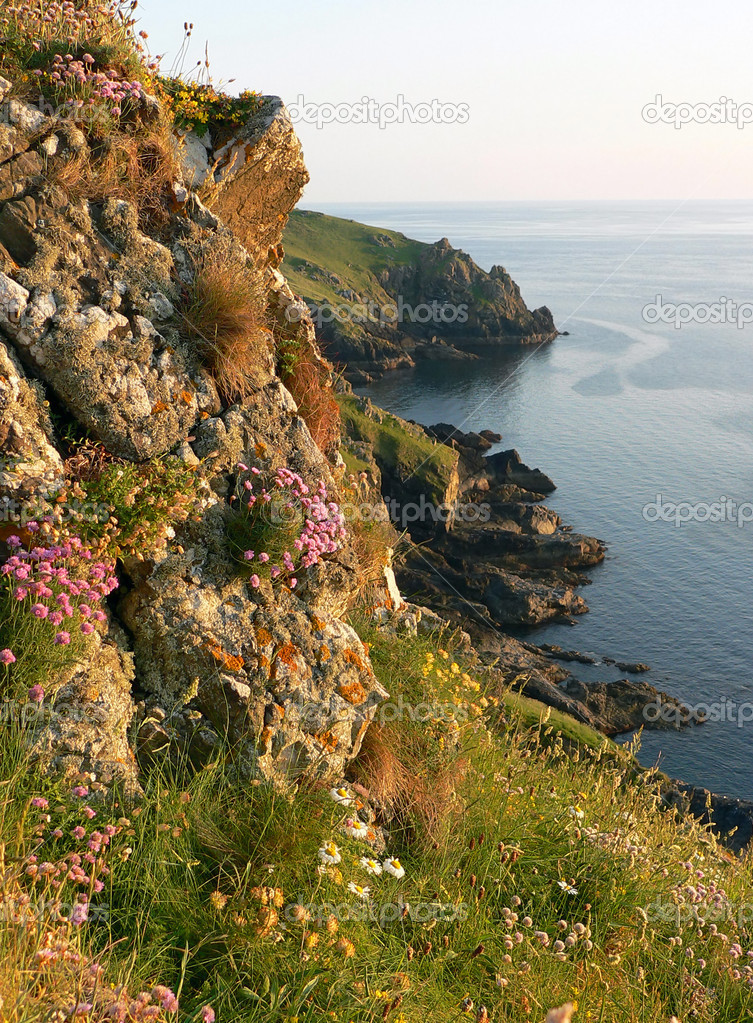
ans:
x=105 y=374
x=382 y=300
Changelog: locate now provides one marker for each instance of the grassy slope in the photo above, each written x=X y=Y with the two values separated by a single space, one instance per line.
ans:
x=397 y=446
x=498 y=820
x=343 y=247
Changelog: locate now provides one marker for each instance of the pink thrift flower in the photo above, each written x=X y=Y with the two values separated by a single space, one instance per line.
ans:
x=263 y=558
x=40 y=803
x=7 y=656
x=79 y=832
x=62 y=638
x=40 y=610
x=87 y=628
x=207 y=1014
x=91 y=814
x=255 y=581
x=36 y=694
x=249 y=555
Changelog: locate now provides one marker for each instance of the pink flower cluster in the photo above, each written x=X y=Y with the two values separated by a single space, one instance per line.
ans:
x=74 y=76
x=291 y=500
x=55 y=583
x=56 y=893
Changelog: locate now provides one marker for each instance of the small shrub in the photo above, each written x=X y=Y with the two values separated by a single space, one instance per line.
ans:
x=281 y=528
x=50 y=597
x=130 y=509
x=224 y=312
x=197 y=105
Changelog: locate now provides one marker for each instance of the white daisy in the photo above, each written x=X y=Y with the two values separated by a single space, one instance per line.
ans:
x=356 y=828
x=567 y=888
x=394 y=866
x=371 y=866
x=341 y=795
x=361 y=890
x=575 y=811
x=329 y=853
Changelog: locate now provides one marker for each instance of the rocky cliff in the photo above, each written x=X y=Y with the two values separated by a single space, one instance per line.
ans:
x=381 y=300
x=103 y=376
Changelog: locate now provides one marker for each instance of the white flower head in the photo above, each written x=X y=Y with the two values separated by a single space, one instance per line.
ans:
x=567 y=888
x=371 y=866
x=329 y=853
x=575 y=811
x=394 y=866
x=356 y=828
x=341 y=795
x=361 y=890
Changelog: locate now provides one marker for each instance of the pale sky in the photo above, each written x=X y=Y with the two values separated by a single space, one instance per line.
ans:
x=554 y=92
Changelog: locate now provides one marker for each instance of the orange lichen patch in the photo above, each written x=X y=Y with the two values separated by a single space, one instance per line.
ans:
x=260 y=449
x=318 y=624
x=328 y=740
x=353 y=692
x=158 y=406
x=229 y=661
x=186 y=397
x=203 y=415
x=263 y=662
x=288 y=654
x=263 y=636
x=352 y=657
x=323 y=653
x=266 y=736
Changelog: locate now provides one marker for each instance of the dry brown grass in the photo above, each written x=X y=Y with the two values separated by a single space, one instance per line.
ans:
x=139 y=167
x=224 y=311
x=309 y=381
x=392 y=765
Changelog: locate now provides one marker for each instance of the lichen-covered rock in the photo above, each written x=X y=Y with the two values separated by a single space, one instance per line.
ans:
x=273 y=671
x=262 y=177
x=291 y=687
x=30 y=466
x=86 y=727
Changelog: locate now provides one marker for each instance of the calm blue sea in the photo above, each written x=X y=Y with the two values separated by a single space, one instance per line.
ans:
x=617 y=413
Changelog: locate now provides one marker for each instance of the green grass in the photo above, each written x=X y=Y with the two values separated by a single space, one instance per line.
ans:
x=317 y=245
x=403 y=450
x=531 y=826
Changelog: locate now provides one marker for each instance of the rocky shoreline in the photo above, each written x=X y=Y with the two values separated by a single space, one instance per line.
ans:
x=513 y=563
